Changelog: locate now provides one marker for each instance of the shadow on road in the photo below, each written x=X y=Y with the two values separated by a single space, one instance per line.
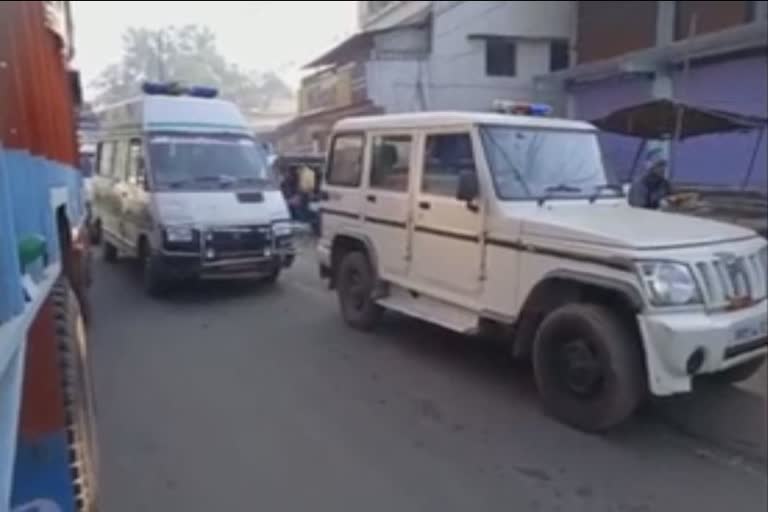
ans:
x=487 y=363
x=195 y=291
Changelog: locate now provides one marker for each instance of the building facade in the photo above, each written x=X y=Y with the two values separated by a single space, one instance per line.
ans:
x=709 y=54
x=419 y=55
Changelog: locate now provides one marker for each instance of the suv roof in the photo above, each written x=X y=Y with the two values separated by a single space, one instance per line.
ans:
x=440 y=119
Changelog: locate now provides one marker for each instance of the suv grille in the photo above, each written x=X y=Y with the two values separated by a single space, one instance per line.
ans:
x=238 y=241
x=730 y=278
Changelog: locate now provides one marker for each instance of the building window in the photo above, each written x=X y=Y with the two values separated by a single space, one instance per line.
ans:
x=500 y=57
x=346 y=161
x=558 y=55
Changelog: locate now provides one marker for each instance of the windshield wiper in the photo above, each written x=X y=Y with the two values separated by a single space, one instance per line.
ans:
x=222 y=179
x=562 y=187
x=607 y=186
x=251 y=179
x=174 y=183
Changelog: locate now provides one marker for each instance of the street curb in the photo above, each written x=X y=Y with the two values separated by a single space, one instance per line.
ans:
x=730 y=418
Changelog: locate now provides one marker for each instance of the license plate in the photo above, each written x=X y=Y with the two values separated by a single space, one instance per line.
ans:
x=750 y=330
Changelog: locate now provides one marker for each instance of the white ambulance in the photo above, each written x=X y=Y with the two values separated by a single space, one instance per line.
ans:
x=181 y=184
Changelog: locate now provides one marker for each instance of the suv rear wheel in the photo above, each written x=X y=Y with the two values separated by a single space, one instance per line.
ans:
x=588 y=366
x=355 y=283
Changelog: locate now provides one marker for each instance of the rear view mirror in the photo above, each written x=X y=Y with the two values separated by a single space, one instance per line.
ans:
x=468 y=188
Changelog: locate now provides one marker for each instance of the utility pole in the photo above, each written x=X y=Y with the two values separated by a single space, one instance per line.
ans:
x=160 y=57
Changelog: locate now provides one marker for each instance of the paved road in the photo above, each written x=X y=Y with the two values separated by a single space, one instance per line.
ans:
x=244 y=398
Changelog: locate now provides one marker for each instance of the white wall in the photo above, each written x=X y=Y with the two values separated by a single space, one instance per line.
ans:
x=409 y=41
x=453 y=75
x=392 y=84
x=457 y=64
x=391 y=15
x=531 y=19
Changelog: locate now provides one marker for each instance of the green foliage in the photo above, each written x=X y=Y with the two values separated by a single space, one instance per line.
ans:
x=189 y=55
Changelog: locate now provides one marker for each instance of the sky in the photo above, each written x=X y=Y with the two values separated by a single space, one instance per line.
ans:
x=259 y=36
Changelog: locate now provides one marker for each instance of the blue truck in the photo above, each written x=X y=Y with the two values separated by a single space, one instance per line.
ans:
x=48 y=456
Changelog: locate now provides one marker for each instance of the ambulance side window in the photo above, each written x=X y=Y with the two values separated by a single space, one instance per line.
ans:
x=106 y=155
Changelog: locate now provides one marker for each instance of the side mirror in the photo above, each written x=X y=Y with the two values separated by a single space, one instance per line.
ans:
x=468 y=189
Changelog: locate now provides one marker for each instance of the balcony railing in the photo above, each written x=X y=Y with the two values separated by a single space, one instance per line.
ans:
x=331 y=89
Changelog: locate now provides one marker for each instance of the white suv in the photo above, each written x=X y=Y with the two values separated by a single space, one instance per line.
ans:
x=509 y=225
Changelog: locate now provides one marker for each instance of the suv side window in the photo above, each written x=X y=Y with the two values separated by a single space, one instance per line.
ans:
x=391 y=162
x=445 y=157
x=346 y=161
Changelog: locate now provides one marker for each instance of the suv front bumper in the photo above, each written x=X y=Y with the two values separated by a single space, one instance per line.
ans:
x=725 y=339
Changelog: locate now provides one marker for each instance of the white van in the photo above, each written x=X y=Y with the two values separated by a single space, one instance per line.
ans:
x=509 y=225
x=181 y=185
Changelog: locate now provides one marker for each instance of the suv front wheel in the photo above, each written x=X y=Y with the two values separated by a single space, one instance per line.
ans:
x=355 y=283
x=588 y=366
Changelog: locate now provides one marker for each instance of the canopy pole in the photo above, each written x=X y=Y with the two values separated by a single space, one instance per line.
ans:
x=636 y=160
x=753 y=159
x=674 y=161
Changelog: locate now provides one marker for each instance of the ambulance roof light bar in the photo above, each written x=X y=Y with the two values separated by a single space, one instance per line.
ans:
x=177 y=89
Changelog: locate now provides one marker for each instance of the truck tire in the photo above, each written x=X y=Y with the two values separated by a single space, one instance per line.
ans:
x=588 y=366
x=355 y=284
x=737 y=373
x=78 y=395
x=108 y=252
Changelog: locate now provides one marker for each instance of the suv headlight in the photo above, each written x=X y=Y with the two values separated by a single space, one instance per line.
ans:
x=179 y=234
x=282 y=228
x=669 y=284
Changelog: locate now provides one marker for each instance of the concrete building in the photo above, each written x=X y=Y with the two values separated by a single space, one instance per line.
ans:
x=419 y=55
x=477 y=52
x=710 y=54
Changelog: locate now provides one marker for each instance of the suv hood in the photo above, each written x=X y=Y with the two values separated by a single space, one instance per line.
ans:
x=620 y=225
x=219 y=208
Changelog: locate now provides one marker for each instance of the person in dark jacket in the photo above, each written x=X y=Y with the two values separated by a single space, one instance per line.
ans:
x=649 y=190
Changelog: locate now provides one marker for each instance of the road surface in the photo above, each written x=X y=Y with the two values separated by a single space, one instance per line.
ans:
x=226 y=397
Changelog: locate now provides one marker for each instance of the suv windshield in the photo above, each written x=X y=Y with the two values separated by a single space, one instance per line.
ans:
x=533 y=163
x=177 y=160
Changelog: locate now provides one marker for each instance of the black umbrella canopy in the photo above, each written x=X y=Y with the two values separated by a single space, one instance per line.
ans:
x=659 y=119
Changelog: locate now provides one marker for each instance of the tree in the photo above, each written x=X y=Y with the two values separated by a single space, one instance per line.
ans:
x=189 y=55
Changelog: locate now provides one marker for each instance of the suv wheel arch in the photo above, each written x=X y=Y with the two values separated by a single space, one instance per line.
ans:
x=563 y=286
x=345 y=242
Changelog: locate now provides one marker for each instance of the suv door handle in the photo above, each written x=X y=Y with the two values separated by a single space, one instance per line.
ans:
x=370 y=198
x=425 y=205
